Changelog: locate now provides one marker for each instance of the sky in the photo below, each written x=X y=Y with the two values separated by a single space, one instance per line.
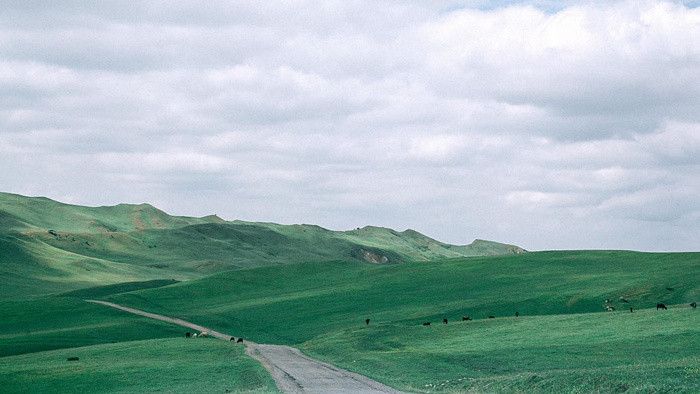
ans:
x=545 y=124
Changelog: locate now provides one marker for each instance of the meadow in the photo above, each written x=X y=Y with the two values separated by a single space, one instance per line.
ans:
x=313 y=288
x=644 y=351
x=294 y=303
x=163 y=365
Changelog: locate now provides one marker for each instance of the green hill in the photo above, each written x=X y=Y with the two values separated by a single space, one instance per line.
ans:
x=294 y=303
x=47 y=246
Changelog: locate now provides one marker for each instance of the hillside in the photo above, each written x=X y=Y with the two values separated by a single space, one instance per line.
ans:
x=320 y=307
x=47 y=246
x=321 y=297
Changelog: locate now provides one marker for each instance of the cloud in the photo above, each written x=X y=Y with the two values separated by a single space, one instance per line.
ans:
x=546 y=124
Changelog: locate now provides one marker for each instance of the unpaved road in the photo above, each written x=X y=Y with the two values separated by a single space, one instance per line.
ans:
x=292 y=371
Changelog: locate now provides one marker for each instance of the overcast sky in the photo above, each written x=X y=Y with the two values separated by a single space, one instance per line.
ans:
x=546 y=124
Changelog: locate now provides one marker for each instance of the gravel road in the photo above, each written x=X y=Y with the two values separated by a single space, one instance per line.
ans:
x=293 y=371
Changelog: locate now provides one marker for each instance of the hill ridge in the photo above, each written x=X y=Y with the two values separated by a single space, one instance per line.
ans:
x=46 y=239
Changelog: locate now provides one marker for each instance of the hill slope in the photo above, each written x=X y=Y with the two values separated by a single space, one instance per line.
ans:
x=294 y=303
x=46 y=246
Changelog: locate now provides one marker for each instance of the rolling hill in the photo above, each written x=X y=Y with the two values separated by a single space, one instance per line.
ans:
x=47 y=246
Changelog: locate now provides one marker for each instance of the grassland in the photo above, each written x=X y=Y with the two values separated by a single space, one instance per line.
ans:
x=295 y=303
x=238 y=278
x=644 y=351
x=48 y=247
x=157 y=365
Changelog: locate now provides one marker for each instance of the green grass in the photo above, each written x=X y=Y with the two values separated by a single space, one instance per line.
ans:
x=49 y=323
x=48 y=247
x=645 y=351
x=166 y=365
x=295 y=303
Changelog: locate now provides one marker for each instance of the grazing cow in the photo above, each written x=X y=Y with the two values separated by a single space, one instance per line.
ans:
x=240 y=340
x=194 y=335
x=73 y=358
x=661 y=306
x=444 y=321
x=609 y=308
x=426 y=323
x=517 y=314
x=491 y=317
x=631 y=310
x=694 y=305
x=232 y=339
x=187 y=334
x=466 y=318
x=367 y=321
x=669 y=288
x=203 y=334
x=623 y=300
x=608 y=300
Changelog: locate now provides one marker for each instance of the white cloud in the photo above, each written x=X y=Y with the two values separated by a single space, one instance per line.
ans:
x=568 y=124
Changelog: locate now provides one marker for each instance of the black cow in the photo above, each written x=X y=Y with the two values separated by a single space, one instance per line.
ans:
x=444 y=321
x=240 y=340
x=367 y=321
x=491 y=317
x=232 y=339
x=517 y=314
x=631 y=309
x=187 y=334
x=694 y=305
x=661 y=306
x=466 y=318
x=669 y=288
x=73 y=358
x=426 y=323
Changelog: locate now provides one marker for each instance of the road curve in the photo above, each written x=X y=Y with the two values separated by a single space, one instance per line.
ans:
x=293 y=371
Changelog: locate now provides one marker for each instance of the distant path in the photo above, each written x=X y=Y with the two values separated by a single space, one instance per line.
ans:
x=293 y=371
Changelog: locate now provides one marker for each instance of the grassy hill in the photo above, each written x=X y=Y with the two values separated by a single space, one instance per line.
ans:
x=157 y=365
x=563 y=341
x=295 y=303
x=47 y=246
x=645 y=351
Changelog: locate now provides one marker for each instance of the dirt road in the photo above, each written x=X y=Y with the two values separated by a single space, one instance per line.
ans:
x=292 y=371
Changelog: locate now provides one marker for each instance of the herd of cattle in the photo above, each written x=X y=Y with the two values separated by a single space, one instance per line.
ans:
x=517 y=314
x=609 y=308
x=205 y=334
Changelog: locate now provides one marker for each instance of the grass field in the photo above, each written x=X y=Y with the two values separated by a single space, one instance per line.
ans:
x=238 y=278
x=41 y=324
x=644 y=351
x=295 y=303
x=48 y=247
x=158 y=365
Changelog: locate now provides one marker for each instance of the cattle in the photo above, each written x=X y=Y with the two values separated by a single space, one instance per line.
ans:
x=661 y=306
x=240 y=340
x=73 y=358
x=187 y=334
x=623 y=300
x=492 y=317
x=669 y=288
x=194 y=335
x=466 y=318
x=609 y=308
x=517 y=314
x=694 y=305
x=631 y=310
x=444 y=321
x=232 y=339
x=367 y=321
x=608 y=301
x=426 y=323
x=203 y=334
